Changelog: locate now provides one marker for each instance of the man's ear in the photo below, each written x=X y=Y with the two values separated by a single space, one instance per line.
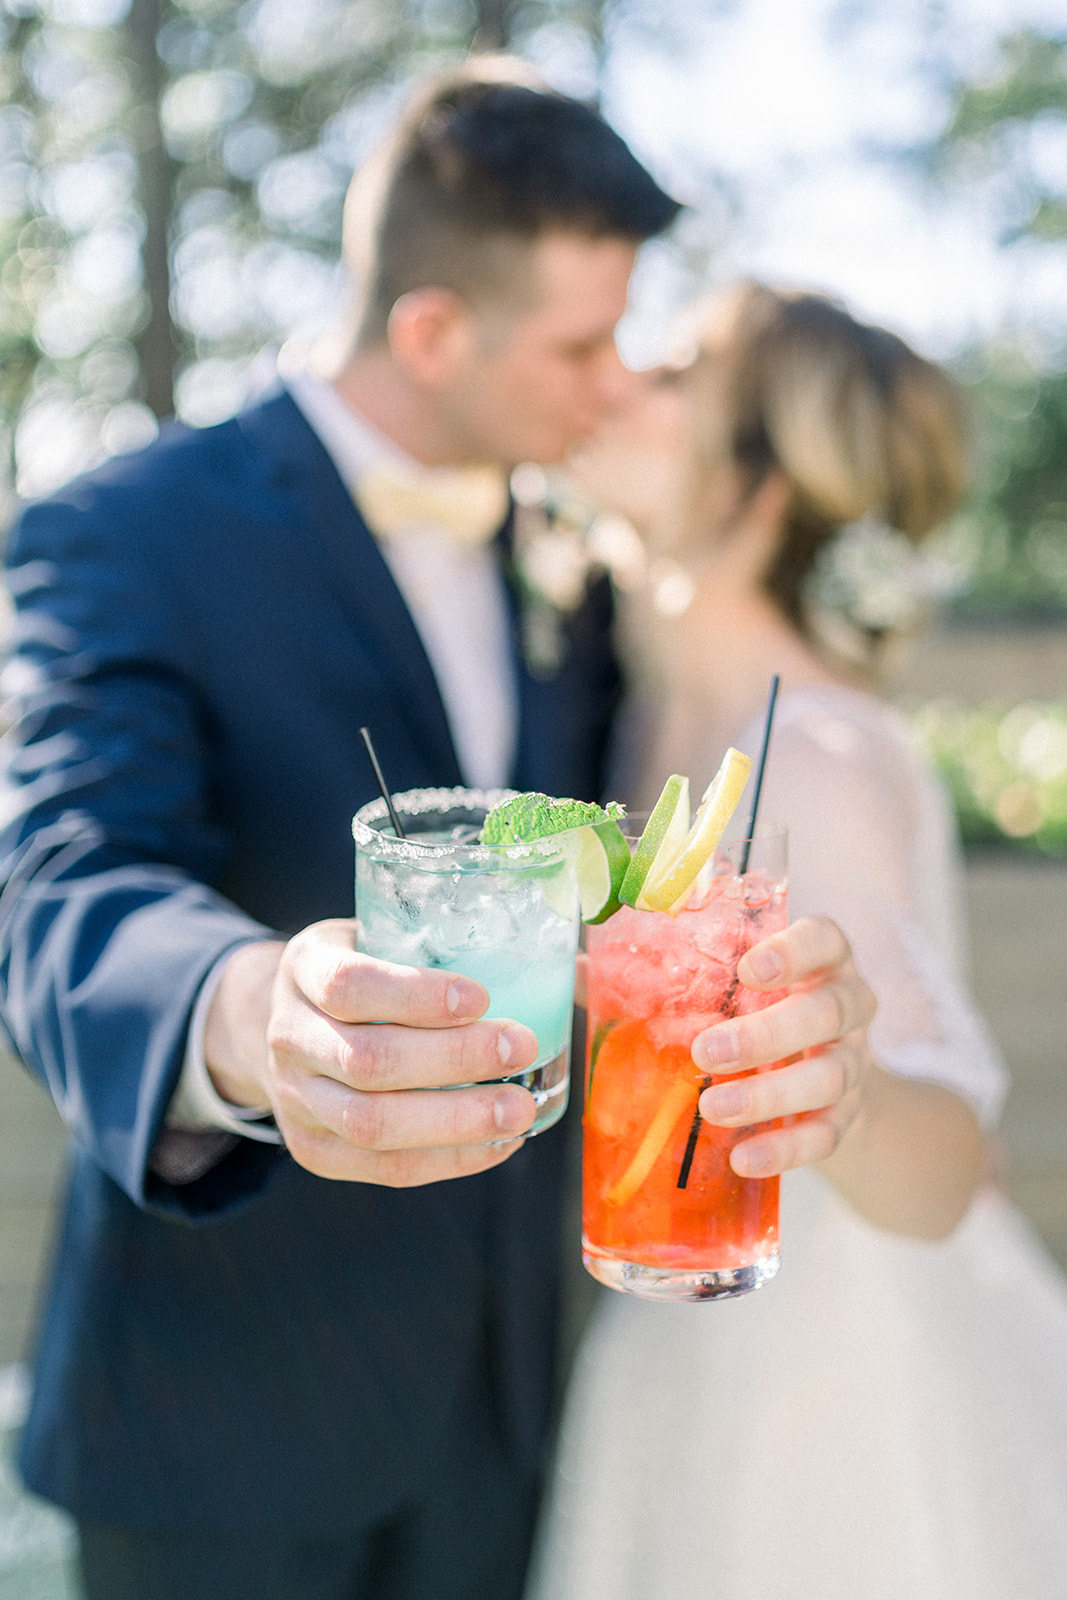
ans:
x=429 y=332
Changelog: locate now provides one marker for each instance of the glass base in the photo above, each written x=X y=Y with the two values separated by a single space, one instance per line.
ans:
x=549 y=1084
x=677 y=1283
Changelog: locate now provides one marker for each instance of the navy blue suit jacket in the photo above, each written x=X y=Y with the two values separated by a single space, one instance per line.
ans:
x=201 y=631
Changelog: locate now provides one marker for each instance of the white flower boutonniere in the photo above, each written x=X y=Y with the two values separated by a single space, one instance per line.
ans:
x=561 y=541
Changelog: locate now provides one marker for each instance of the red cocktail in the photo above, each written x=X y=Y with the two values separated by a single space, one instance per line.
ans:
x=665 y=1216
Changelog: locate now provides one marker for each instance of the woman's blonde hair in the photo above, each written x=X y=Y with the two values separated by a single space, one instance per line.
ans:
x=859 y=424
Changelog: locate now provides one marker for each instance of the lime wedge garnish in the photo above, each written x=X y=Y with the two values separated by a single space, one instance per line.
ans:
x=588 y=835
x=667 y=890
x=600 y=857
x=664 y=835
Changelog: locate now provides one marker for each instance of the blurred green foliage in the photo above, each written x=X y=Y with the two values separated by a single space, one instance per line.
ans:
x=1007 y=134
x=1013 y=123
x=1011 y=540
x=1006 y=769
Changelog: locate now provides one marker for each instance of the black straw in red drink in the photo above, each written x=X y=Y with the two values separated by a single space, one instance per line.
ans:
x=729 y=1005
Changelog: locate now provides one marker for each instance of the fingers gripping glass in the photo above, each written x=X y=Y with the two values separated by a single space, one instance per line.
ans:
x=505 y=916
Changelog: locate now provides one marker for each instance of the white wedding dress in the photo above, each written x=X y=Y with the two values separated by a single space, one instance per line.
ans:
x=887 y=1420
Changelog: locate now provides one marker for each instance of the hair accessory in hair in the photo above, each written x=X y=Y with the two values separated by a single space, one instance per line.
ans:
x=873 y=577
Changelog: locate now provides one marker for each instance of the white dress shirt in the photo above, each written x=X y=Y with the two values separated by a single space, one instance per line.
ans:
x=455 y=594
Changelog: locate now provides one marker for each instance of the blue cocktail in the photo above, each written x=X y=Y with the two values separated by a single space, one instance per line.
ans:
x=504 y=915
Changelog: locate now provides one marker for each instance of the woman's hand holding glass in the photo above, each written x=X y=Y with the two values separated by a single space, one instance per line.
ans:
x=823 y=1021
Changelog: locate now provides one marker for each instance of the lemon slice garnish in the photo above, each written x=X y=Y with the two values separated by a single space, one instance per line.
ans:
x=666 y=889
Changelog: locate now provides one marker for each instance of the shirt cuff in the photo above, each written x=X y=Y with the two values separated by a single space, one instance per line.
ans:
x=196 y=1105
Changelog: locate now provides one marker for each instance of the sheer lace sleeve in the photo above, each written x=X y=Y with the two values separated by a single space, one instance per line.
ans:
x=871 y=846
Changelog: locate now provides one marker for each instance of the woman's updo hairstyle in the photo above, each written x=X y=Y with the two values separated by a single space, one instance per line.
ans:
x=860 y=425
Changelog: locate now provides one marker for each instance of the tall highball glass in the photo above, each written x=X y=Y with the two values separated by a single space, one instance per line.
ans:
x=665 y=1216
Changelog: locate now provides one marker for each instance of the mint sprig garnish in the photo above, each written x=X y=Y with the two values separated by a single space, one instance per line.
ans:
x=526 y=817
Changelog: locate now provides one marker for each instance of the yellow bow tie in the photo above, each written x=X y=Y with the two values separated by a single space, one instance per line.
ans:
x=467 y=503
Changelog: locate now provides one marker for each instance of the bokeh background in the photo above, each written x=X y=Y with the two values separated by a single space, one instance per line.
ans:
x=172 y=176
x=171 y=181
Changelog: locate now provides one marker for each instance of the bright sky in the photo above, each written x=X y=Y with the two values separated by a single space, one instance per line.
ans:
x=790 y=102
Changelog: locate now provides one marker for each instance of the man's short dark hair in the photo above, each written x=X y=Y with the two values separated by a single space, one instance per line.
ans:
x=479 y=167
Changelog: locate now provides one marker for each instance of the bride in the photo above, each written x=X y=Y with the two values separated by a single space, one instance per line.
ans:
x=888 y=1419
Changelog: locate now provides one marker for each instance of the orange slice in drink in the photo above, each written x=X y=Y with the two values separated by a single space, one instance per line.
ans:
x=675 y=1103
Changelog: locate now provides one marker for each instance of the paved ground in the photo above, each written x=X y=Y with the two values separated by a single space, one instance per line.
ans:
x=34 y=1540
x=1019 y=932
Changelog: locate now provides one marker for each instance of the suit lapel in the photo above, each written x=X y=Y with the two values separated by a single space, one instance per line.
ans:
x=505 y=550
x=300 y=469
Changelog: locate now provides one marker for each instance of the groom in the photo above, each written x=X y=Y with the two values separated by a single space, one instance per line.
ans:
x=253 y=1380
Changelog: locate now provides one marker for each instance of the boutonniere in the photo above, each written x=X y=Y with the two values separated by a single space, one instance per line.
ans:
x=561 y=542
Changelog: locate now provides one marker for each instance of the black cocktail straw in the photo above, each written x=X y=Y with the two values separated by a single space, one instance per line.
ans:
x=751 y=834
x=729 y=1004
x=364 y=734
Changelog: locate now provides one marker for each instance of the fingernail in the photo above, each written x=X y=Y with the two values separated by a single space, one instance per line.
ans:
x=717 y=1047
x=764 y=965
x=511 y=1119
x=755 y=1159
x=465 y=998
x=727 y=1100
x=510 y=1043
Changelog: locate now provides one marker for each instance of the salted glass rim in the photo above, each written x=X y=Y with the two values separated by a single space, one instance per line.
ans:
x=420 y=853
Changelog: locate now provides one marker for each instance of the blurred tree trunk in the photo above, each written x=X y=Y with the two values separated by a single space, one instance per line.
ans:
x=157 y=342
x=291 y=85
x=496 y=19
